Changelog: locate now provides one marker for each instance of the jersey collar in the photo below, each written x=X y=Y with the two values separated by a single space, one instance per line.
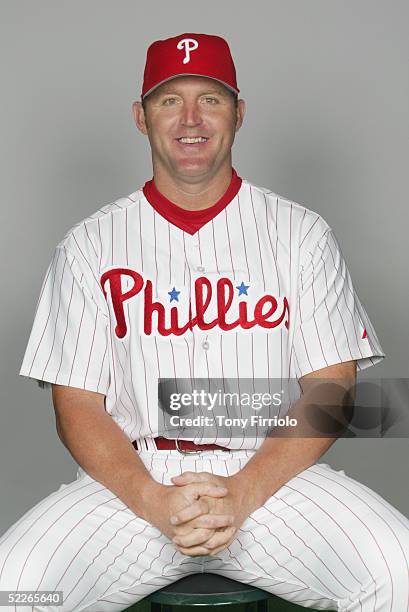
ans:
x=189 y=220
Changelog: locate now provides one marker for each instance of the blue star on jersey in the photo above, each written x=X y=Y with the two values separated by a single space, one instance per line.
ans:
x=174 y=295
x=242 y=288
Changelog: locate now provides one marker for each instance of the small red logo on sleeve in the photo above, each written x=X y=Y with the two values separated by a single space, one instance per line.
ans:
x=364 y=335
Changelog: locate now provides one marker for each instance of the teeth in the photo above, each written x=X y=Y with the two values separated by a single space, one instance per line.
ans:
x=192 y=140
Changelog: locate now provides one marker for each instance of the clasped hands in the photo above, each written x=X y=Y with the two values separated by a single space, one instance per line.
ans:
x=200 y=512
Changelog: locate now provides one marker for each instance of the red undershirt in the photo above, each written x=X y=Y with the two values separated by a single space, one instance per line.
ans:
x=189 y=220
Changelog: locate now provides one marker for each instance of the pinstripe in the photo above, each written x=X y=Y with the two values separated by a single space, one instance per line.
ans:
x=309 y=230
x=328 y=312
x=306 y=350
x=90 y=350
x=228 y=239
x=112 y=361
x=314 y=317
x=338 y=309
x=244 y=238
x=58 y=310
x=200 y=249
x=124 y=378
x=214 y=248
x=193 y=354
x=184 y=251
x=238 y=376
x=140 y=236
x=146 y=387
x=155 y=247
x=353 y=326
x=49 y=313
x=273 y=251
x=51 y=266
x=174 y=364
x=170 y=255
x=112 y=238
x=102 y=365
x=290 y=248
x=100 y=242
x=65 y=332
x=89 y=239
x=258 y=239
x=78 y=337
x=85 y=258
x=126 y=238
x=189 y=358
x=276 y=219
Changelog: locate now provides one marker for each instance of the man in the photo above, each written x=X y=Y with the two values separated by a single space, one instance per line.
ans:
x=199 y=275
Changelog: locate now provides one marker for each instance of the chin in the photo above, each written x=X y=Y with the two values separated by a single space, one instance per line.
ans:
x=192 y=168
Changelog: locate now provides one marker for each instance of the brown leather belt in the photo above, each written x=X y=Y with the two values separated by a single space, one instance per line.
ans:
x=185 y=447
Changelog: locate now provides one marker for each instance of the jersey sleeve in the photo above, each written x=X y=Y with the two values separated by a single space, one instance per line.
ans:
x=331 y=324
x=68 y=343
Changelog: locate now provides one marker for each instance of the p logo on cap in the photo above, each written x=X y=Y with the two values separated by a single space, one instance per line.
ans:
x=188 y=44
x=189 y=54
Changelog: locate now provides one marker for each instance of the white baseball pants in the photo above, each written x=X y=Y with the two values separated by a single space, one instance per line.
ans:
x=322 y=541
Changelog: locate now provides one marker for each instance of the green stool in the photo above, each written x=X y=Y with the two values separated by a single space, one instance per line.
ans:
x=208 y=590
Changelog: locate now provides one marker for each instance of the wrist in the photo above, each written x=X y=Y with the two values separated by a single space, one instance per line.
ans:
x=248 y=490
x=147 y=493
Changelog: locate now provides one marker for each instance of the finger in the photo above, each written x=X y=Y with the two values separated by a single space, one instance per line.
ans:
x=216 y=551
x=193 y=551
x=220 y=538
x=197 y=506
x=185 y=529
x=191 y=512
x=188 y=477
x=195 y=537
x=206 y=488
x=212 y=521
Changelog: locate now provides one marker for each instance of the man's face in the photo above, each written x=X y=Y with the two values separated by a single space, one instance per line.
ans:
x=191 y=124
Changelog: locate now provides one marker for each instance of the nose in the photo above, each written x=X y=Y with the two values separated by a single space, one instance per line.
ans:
x=190 y=115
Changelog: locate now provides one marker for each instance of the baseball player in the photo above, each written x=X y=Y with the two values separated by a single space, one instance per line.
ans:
x=198 y=275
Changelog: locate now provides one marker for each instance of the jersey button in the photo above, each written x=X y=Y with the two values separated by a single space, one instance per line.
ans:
x=200 y=269
x=205 y=345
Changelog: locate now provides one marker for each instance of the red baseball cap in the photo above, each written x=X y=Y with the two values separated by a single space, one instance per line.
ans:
x=189 y=55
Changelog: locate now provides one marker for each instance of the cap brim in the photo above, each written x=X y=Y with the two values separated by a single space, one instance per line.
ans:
x=175 y=76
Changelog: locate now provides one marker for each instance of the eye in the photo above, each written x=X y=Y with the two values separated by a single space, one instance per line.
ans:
x=211 y=100
x=169 y=101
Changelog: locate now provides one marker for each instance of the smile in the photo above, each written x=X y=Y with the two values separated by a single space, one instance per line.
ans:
x=195 y=140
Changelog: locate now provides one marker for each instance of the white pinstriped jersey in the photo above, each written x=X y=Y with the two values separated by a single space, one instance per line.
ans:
x=259 y=291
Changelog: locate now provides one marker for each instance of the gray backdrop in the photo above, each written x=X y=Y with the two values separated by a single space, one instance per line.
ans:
x=327 y=88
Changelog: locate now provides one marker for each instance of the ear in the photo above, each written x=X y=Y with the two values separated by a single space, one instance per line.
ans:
x=139 y=117
x=240 y=112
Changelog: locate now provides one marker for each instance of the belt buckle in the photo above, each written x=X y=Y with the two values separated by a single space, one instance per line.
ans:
x=186 y=452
